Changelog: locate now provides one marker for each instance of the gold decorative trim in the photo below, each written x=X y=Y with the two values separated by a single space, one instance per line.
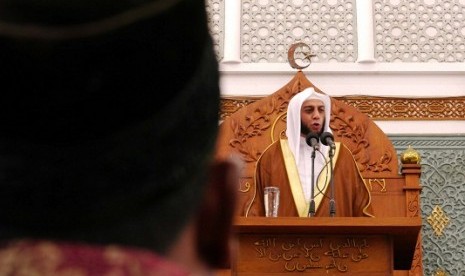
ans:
x=380 y=108
x=440 y=272
x=246 y=186
x=410 y=156
x=273 y=128
x=438 y=220
x=381 y=182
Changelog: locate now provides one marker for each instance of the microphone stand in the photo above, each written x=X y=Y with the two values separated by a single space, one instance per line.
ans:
x=312 y=140
x=332 y=203
x=311 y=211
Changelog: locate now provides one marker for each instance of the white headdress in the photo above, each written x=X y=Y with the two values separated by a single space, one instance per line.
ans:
x=293 y=117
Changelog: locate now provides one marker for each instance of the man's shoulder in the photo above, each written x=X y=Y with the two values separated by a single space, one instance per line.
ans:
x=92 y=258
x=344 y=153
x=343 y=147
x=273 y=147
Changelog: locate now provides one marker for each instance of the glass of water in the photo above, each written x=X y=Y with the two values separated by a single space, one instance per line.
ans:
x=271 y=201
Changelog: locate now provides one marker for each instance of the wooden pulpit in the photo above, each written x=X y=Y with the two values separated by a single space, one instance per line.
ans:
x=361 y=246
x=324 y=246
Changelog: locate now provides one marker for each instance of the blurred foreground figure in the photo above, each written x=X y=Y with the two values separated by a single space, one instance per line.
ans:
x=109 y=116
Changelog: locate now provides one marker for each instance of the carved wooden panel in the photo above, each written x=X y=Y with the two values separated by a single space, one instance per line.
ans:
x=381 y=108
x=254 y=126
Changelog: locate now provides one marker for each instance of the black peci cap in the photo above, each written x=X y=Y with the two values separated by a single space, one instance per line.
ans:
x=108 y=118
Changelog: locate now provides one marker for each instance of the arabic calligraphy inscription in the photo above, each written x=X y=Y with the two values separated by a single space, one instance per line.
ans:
x=339 y=254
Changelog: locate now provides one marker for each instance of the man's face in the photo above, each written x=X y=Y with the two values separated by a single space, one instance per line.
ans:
x=312 y=116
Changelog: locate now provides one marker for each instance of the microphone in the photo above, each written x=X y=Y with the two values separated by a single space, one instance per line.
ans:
x=327 y=139
x=312 y=140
